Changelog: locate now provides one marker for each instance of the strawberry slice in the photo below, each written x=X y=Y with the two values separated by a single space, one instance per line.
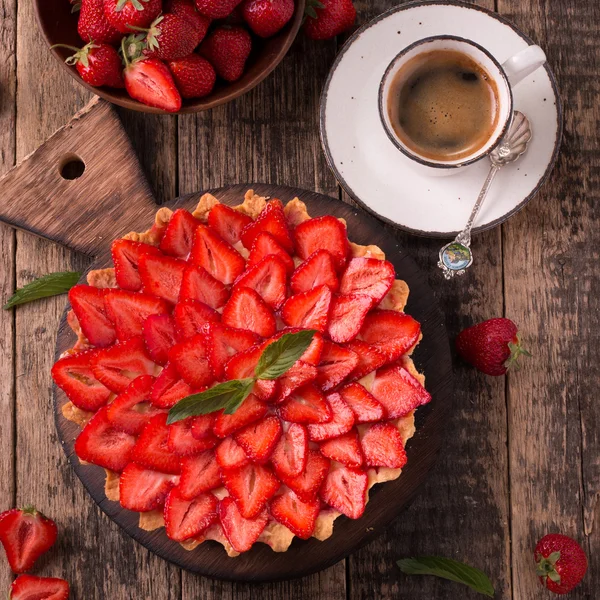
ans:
x=87 y=303
x=179 y=234
x=341 y=423
x=116 y=367
x=199 y=284
x=290 y=453
x=169 y=388
x=345 y=489
x=152 y=447
x=182 y=441
x=383 y=447
x=297 y=376
x=243 y=365
x=214 y=254
x=150 y=81
x=259 y=439
x=202 y=426
x=347 y=316
x=390 y=332
x=185 y=519
x=191 y=317
x=365 y=407
x=128 y=311
x=131 y=410
x=73 y=375
x=230 y=455
x=227 y=222
x=159 y=335
x=306 y=405
x=265 y=245
x=143 y=490
x=100 y=443
x=126 y=256
x=318 y=269
x=308 y=310
x=312 y=356
x=223 y=342
x=30 y=587
x=336 y=364
x=307 y=484
x=245 y=309
x=298 y=516
x=344 y=449
x=161 y=276
x=241 y=532
x=369 y=358
x=398 y=391
x=200 y=473
x=272 y=220
x=251 y=410
x=368 y=276
x=268 y=279
x=191 y=361
x=251 y=486
x=323 y=233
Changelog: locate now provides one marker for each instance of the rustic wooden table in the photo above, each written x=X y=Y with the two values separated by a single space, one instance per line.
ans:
x=522 y=453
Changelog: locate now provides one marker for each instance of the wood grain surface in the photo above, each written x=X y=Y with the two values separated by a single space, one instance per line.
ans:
x=521 y=458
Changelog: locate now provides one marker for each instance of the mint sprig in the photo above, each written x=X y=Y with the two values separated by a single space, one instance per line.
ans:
x=276 y=359
x=52 y=284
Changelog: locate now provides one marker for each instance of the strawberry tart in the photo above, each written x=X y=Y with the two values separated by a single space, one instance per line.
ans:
x=192 y=304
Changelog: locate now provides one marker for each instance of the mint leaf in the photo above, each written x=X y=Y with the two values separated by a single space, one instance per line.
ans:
x=448 y=569
x=52 y=284
x=281 y=354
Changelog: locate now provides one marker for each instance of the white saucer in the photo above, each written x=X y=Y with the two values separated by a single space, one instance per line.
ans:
x=381 y=178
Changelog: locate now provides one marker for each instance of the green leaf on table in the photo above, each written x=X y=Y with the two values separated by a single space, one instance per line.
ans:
x=279 y=356
x=448 y=569
x=52 y=284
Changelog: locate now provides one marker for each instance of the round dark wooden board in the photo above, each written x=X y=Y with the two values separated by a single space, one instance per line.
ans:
x=387 y=500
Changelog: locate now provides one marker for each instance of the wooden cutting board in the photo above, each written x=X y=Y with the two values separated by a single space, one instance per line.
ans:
x=111 y=197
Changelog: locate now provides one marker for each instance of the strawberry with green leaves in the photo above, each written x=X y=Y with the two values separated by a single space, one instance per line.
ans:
x=171 y=36
x=327 y=18
x=98 y=64
x=93 y=26
x=561 y=563
x=123 y=14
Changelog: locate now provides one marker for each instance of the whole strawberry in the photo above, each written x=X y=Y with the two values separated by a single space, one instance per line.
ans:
x=227 y=49
x=187 y=10
x=561 y=563
x=492 y=347
x=216 y=9
x=327 y=18
x=125 y=14
x=267 y=17
x=194 y=76
x=93 y=24
x=171 y=36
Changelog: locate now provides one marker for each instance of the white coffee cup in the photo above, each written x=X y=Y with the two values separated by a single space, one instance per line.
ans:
x=505 y=76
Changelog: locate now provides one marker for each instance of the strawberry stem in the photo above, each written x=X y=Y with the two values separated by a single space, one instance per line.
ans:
x=29 y=510
x=546 y=567
x=516 y=351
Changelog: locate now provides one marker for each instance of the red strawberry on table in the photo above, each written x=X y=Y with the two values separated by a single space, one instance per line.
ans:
x=122 y=14
x=267 y=17
x=93 y=26
x=29 y=587
x=216 y=9
x=227 y=49
x=327 y=18
x=97 y=64
x=194 y=76
x=561 y=563
x=171 y=36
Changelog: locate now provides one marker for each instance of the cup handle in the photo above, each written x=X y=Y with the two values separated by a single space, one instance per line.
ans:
x=523 y=63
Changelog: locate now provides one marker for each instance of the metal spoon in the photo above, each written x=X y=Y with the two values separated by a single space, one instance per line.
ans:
x=456 y=257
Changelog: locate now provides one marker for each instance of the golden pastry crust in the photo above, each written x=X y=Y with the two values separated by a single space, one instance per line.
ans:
x=295 y=212
x=149 y=521
x=111 y=485
x=205 y=204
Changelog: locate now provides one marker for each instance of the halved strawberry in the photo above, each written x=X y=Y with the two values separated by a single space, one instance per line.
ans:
x=365 y=407
x=368 y=276
x=297 y=376
x=306 y=405
x=159 y=335
x=298 y=516
x=182 y=442
x=251 y=486
x=214 y=254
x=31 y=587
x=185 y=519
x=308 y=310
x=290 y=453
x=259 y=439
x=344 y=449
x=245 y=309
x=199 y=284
x=161 y=276
x=191 y=361
x=347 y=316
x=272 y=220
x=267 y=278
x=390 y=332
x=243 y=365
x=202 y=426
x=341 y=423
x=191 y=317
x=151 y=449
x=318 y=269
x=223 y=342
x=230 y=455
x=322 y=233
x=382 y=446
x=307 y=484
x=200 y=473
x=129 y=310
x=336 y=364
x=131 y=410
x=126 y=256
x=241 y=532
x=143 y=490
x=251 y=410
x=179 y=234
x=312 y=356
x=73 y=374
x=88 y=305
x=345 y=489
x=116 y=367
x=100 y=443
x=369 y=358
x=169 y=388
x=264 y=245
x=398 y=391
x=227 y=222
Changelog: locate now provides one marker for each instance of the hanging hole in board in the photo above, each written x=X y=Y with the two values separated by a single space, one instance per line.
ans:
x=71 y=167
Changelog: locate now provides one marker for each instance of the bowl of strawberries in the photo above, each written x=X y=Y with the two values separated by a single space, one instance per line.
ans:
x=169 y=56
